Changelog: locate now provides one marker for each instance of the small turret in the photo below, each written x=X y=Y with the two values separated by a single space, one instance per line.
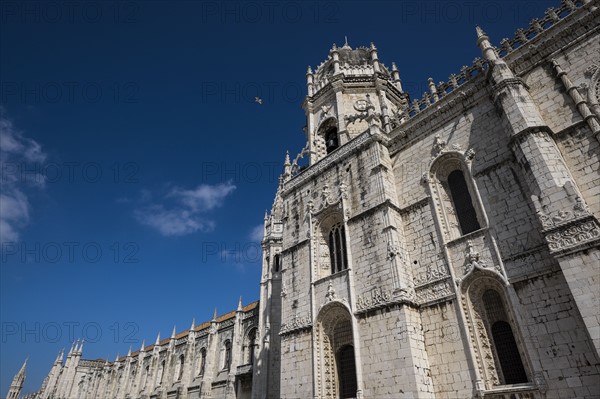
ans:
x=310 y=81
x=374 y=58
x=483 y=41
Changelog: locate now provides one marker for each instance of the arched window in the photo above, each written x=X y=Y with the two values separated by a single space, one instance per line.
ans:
x=465 y=212
x=277 y=263
x=251 y=345
x=332 y=140
x=454 y=194
x=161 y=372
x=202 y=365
x=179 y=370
x=337 y=249
x=146 y=376
x=505 y=345
x=227 y=355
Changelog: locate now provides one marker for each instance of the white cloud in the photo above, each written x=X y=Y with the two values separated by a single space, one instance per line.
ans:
x=185 y=210
x=204 y=197
x=16 y=153
x=257 y=233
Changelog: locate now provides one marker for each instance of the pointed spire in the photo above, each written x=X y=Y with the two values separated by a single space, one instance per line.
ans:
x=117 y=358
x=59 y=357
x=266 y=215
x=480 y=33
x=240 y=307
x=346 y=45
x=287 y=166
x=483 y=41
x=214 y=318
x=396 y=76
x=193 y=324
x=129 y=353
x=173 y=333
x=80 y=350
x=374 y=58
x=143 y=345
x=24 y=365
x=71 y=350
x=157 y=339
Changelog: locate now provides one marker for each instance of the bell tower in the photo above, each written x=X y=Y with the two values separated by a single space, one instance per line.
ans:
x=347 y=93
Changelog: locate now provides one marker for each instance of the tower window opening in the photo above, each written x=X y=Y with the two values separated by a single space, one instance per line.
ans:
x=277 y=263
x=505 y=345
x=465 y=212
x=337 y=249
x=227 y=359
x=332 y=141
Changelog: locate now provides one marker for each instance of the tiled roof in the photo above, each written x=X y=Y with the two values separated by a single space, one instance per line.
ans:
x=185 y=333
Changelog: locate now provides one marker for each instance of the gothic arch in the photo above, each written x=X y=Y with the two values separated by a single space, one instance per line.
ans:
x=327 y=137
x=331 y=251
x=250 y=344
x=499 y=352
x=454 y=192
x=336 y=368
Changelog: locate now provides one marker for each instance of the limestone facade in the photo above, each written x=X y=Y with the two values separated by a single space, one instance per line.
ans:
x=442 y=247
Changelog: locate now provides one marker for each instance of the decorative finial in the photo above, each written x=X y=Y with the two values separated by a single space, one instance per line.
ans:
x=346 y=45
x=287 y=159
x=214 y=318
x=157 y=339
x=129 y=353
x=173 y=333
x=239 y=308
x=309 y=71
x=480 y=32
x=193 y=324
x=143 y=345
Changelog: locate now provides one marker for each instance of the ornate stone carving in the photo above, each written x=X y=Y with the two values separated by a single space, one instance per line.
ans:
x=429 y=276
x=330 y=296
x=561 y=216
x=572 y=235
x=434 y=291
x=439 y=146
x=295 y=324
x=473 y=261
x=393 y=250
x=375 y=297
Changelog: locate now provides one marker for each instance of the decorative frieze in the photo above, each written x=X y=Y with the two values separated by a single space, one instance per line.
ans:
x=573 y=234
x=437 y=290
x=376 y=297
x=297 y=323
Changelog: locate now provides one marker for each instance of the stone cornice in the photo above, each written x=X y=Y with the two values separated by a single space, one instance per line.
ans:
x=440 y=112
x=331 y=160
x=561 y=35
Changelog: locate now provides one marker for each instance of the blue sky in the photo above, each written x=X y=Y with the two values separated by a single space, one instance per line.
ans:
x=136 y=166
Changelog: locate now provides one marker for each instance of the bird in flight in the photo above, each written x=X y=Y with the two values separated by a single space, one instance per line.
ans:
x=258 y=100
